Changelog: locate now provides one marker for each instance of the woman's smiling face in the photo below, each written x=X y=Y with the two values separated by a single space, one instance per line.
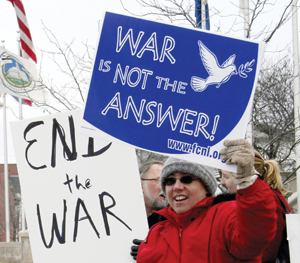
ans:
x=182 y=196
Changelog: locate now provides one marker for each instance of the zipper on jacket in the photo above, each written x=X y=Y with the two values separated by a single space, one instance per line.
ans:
x=180 y=231
x=180 y=245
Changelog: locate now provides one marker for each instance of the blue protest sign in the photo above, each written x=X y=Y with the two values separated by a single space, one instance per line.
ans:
x=169 y=89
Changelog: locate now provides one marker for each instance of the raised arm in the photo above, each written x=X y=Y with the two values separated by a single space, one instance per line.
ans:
x=253 y=225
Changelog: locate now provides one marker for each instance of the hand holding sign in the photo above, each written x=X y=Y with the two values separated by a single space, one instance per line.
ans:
x=134 y=249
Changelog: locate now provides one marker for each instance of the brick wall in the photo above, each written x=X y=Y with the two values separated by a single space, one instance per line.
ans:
x=12 y=170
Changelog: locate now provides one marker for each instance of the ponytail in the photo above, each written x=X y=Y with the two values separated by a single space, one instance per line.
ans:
x=270 y=173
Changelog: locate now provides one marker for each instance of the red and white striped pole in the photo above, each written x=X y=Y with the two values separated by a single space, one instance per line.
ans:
x=27 y=49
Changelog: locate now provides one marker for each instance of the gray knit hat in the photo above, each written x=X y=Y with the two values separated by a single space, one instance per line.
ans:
x=204 y=173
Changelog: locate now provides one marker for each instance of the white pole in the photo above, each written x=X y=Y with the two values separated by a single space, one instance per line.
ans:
x=296 y=93
x=20 y=109
x=246 y=17
x=244 y=9
x=6 y=177
x=23 y=225
x=20 y=99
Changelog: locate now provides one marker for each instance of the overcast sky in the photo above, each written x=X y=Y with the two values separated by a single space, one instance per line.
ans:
x=78 y=19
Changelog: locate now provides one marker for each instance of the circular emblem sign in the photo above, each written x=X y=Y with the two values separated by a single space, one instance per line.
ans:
x=14 y=75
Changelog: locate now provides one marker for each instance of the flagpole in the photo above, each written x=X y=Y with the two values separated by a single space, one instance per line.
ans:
x=23 y=225
x=20 y=99
x=203 y=15
x=6 y=177
x=296 y=93
x=29 y=53
x=197 y=12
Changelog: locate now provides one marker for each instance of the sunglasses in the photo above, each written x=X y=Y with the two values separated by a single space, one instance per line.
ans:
x=187 y=179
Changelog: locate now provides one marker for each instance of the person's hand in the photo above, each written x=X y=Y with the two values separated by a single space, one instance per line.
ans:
x=134 y=249
x=241 y=153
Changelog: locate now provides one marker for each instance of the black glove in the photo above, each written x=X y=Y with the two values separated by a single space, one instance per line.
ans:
x=134 y=249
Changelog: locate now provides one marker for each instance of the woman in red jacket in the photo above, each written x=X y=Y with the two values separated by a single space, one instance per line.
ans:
x=270 y=173
x=195 y=230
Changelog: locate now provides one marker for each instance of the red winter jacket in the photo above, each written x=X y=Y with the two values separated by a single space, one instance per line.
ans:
x=270 y=254
x=228 y=232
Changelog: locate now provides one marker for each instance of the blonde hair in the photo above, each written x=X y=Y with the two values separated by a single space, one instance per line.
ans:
x=270 y=173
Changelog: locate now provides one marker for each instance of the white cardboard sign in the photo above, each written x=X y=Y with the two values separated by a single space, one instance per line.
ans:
x=293 y=236
x=83 y=198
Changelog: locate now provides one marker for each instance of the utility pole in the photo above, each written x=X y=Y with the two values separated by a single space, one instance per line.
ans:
x=244 y=10
x=296 y=93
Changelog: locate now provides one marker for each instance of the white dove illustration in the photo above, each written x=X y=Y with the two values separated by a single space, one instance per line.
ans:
x=217 y=74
